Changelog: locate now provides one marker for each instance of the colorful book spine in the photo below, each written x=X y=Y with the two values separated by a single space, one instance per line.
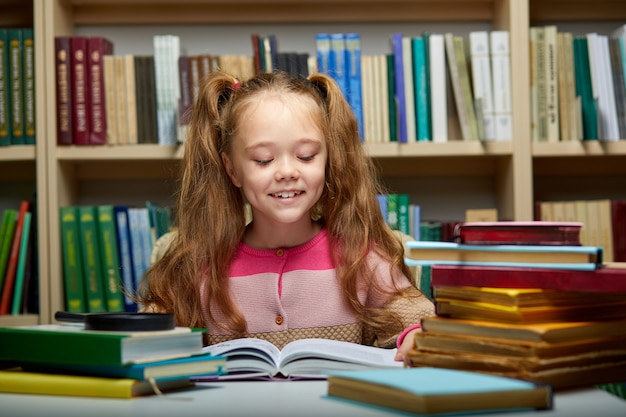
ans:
x=125 y=256
x=18 y=287
x=109 y=256
x=337 y=62
x=28 y=62
x=12 y=262
x=353 y=62
x=62 y=50
x=94 y=290
x=422 y=98
x=5 y=109
x=16 y=83
x=80 y=90
x=72 y=260
x=403 y=214
x=97 y=48
x=400 y=97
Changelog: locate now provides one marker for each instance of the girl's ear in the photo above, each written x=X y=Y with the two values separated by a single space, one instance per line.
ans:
x=230 y=170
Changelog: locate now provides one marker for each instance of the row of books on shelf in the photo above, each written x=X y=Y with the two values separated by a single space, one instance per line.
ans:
x=106 y=251
x=578 y=88
x=17 y=86
x=413 y=93
x=604 y=222
x=18 y=260
x=543 y=312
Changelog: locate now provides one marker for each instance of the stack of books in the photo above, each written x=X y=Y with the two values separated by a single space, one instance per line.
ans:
x=543 y=312
x=69 y=360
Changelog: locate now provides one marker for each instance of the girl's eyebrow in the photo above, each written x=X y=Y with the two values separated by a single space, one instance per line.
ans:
x=267 y=144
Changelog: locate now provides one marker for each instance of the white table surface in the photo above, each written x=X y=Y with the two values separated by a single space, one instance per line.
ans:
x=264 y=398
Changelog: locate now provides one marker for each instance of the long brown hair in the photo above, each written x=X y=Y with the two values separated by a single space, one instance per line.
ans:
x=211 y=214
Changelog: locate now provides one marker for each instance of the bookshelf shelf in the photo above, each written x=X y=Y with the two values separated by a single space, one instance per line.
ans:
x=577 y=148
x=18 y=153
x=122 y=153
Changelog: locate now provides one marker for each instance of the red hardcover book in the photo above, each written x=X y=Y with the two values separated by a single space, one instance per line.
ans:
x=618 y=221
x=608 y=279
x=519 y=233
x=9 y=276
x=97 y=47
x=63 y=90
x=80 y=90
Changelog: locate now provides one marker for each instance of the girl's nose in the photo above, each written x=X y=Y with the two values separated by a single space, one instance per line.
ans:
x=287 y=169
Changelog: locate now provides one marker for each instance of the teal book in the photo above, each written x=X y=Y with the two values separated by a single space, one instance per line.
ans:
x=392 y=211
x=434 y=391
x=451 y=253
x=422 y=99
x=72 y=344
x=403 y=213
x=18 y=287
x=393 y=107
x=5 y=108
x=193 y=366
x=584 y=90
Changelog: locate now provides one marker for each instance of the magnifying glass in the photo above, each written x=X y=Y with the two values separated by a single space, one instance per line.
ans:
x=120 y=322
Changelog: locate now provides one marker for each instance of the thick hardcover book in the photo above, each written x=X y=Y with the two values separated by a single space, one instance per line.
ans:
x=16 y=82
x=5 y=107
x=12 y=263
x=436 y=391
x=249 y=358
x=605 y=279
x=71 y=344
x=203 y=365
x=563 y=257
x=28 y=62
x=17 y=381
x=80 y=89
x=107 y=239
x=90 y=251
x=97 y=48
x=63 y=69
x=519 y=233
x=72 y=260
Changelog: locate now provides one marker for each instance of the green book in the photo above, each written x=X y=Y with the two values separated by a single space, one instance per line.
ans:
x=392 y=211
x=584 y=89
x=16 y=85
x=393 y=106
x=5 y=108
x=72 y=261
x=403 y=214
x=9 y=218
x=70 y=344
x=107 y=240
x=18 y=287
x=90 y=250
x=28 y=63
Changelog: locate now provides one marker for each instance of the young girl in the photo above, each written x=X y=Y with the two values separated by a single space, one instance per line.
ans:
x=317 y=259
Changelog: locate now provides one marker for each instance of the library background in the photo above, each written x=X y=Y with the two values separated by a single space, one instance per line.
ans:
x=477 y=109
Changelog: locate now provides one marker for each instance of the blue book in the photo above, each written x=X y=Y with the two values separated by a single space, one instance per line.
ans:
x=396 y=48
x=545 y=256
x=337 y=62
x=422 y=99
x=193 y=366
x=353 y=62
x=438 y=391
x=125 y=255
x=322 y=48
x=382 y=202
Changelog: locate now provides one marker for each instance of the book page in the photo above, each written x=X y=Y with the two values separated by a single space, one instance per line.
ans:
x=250 y=349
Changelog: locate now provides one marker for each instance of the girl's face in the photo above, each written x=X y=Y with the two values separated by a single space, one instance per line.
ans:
x=278 y=158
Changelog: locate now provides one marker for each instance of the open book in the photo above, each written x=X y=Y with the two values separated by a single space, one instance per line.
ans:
x=250 y=358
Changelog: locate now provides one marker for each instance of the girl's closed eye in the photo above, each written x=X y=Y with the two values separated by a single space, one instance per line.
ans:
x=262 y=162
x=307 y=158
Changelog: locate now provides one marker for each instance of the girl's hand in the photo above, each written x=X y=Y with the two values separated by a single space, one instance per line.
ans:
x=407 y=345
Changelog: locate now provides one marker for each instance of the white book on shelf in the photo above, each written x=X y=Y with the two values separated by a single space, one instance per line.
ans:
x=482 y=79
x=501 y=77
x=382 y=73
x=602 y=85
x=166 y=54
x=438 y=94
x=367 y=80
x=552 y=90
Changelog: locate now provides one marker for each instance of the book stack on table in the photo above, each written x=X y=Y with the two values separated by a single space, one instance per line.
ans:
x=545 y=312
x=69 y=360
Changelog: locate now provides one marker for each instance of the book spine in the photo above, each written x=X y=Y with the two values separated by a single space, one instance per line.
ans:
x=337 y=62
x=501 y=76
x=353 y=62
x=466 y=89
x=63 y=90
x=16 y=89
x=18 y=288
x=403 y=213
x=166 y=53
x=392 y=211
x=107 y=236
x=455 y=79
x=125 y=256
x=95 y=296
x=120 y=94
x=185 y=102
x=72 y=260
x=422 y=104
x=11 y=269
x=97 y=48
x=130 y=95
x=28 y=61
x=9 y=218
x=392 y=104
x=409 y=89
x=5 y=110
x=438 y=90
x=110 y=98
x=551 y=79
x=400 y=91
x=482 y=80
x=80 y=90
